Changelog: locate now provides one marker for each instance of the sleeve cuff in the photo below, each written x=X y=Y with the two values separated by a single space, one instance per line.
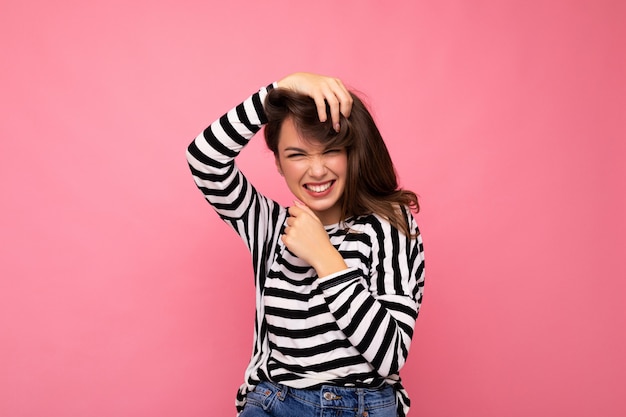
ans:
x=338 y=278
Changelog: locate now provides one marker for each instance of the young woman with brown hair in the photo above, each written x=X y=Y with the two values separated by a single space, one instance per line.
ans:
x=339 y=275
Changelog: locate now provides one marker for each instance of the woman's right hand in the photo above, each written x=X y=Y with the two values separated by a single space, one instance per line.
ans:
x=323 y=90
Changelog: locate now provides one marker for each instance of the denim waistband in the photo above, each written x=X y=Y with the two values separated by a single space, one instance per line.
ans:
x=330 y=396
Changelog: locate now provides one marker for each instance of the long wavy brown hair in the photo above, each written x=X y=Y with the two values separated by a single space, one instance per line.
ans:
x=371 y=183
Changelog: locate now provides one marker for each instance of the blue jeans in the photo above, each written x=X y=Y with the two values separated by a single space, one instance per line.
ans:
x=277 y=400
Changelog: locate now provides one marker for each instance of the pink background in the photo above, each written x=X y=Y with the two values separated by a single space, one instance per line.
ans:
x=122 y=294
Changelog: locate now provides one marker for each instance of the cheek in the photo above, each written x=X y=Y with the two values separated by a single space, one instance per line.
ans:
x=339 y=166
x=291 y=172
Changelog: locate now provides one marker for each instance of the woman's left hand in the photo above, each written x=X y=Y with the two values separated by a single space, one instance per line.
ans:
x=306 y=238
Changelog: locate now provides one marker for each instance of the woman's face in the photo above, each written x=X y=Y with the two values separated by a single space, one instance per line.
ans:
x=316 y=175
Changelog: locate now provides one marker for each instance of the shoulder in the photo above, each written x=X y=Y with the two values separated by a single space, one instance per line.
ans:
x=375 y=224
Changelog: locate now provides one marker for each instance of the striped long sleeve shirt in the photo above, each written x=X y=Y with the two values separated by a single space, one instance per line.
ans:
x=353 y=328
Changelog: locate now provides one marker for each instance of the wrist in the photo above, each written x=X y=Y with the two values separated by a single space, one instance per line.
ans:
x=283 y=82
x=330 y=263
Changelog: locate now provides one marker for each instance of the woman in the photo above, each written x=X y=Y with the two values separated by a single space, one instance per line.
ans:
x=339 y=274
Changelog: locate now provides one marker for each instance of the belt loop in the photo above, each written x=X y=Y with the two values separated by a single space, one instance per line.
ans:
x=361 y=395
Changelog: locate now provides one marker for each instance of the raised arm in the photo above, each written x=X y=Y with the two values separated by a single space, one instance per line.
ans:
x=211 y=156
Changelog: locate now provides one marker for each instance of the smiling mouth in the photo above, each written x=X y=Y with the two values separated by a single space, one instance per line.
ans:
x=319 y=188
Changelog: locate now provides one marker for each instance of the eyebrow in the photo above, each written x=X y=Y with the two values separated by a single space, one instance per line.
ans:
x=296 y=149
x=293 y=148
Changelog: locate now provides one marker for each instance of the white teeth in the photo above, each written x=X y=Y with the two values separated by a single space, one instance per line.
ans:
x=319 y=188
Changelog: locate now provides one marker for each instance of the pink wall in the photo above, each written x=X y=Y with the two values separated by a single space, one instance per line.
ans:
x=122 y=294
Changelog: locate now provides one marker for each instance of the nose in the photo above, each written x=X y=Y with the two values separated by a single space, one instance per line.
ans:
x=317 y=168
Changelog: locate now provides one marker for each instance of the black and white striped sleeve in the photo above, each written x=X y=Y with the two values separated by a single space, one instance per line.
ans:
x=377 y=313
x=211 y=157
